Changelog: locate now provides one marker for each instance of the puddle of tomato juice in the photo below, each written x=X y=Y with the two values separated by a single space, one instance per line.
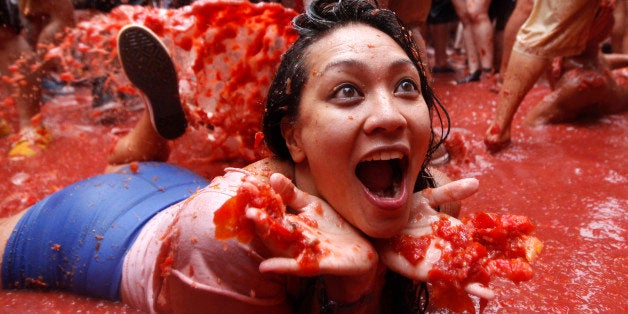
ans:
x=569 y=179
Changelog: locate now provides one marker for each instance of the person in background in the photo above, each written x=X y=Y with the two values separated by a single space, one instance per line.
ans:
x=352 y=85
x=13 y=47
x=478 y=38
x=585 y=86
x=500 y=13
x=441 y=23
x=46 y=20
x=554 y=28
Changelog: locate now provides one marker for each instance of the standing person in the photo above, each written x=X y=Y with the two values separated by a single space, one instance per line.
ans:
x=14 y=47
x=554 y=28
x=151 y=231
x=441 y=22
x=46 y=21
x=477 y=35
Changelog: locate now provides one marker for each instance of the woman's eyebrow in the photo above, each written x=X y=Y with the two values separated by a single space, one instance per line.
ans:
x=399 y=63
x=344 y=63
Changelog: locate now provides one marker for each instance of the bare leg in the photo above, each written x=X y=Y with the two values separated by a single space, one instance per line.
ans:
x=518 y=17
x=483 y=32
x=440 y=39
x=562 y=105
x=148 y=66
x=473 y=60
x=580 y=93
x=143 y=143
x=518 y=81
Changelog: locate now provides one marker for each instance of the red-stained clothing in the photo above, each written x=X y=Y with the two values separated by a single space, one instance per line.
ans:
x=177 y=263
x=556 y=28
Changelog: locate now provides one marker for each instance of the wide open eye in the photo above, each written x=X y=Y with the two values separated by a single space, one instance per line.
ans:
x=346 y=92
x=407 y=87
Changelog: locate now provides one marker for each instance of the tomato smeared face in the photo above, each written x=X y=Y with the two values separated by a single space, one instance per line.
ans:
x=363 y=128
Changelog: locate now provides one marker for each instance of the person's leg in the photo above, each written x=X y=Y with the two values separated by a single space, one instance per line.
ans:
x=523 y=73
x=499 y=12
x=142 y=143
x=564 y=104
x=440 y=40
x=473 y=61
x=483 y=32
x=441 y=21
x=519 y=15
x=15 y=51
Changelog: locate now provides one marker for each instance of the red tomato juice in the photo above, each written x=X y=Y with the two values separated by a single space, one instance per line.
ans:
x=570 y=180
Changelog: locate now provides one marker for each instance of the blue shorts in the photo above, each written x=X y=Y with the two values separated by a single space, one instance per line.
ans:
x=76 y=238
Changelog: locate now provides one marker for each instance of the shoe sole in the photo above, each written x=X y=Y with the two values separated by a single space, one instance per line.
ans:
x=147 y=64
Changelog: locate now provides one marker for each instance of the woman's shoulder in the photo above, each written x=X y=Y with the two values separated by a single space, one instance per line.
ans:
x=262 y=169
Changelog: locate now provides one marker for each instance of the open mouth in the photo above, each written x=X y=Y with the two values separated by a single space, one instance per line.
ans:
x=383 y=174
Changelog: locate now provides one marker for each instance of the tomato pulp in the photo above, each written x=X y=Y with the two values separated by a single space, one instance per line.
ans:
x=570 y=180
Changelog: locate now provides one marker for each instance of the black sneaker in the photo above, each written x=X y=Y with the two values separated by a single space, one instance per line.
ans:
x=472 y=77
x=147 y=64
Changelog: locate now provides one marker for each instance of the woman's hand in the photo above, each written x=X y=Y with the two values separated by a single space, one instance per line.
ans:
x=420 y=225
x=322 y=242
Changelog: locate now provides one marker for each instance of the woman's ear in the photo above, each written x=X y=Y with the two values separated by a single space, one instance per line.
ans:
x=292 y=136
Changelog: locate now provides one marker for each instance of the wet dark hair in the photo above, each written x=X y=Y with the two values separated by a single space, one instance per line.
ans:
x=10 y=16
x=401 y=294
x=321 y=18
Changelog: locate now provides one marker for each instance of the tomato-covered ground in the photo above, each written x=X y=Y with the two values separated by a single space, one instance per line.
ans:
x=571 y=180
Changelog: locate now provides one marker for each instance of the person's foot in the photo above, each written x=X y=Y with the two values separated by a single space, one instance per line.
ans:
x=496 y=139
x=148 y=66
x=31 y=141
x=472 y=77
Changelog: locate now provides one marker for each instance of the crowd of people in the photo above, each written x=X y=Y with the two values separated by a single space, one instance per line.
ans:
x=488 y=34
x=391 y=104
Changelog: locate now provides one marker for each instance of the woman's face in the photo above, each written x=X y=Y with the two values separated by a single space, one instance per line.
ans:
x=363 y=128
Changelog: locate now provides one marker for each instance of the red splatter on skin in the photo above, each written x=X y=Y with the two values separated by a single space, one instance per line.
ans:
x=495 y=130
x=231 y=222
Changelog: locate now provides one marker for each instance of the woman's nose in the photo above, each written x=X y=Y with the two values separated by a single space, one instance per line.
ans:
x=384 y=115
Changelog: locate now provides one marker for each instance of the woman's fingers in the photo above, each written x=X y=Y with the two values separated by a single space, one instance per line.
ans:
x=280 y=265
x=480 y=291
x=291 y=195
x=451 y=192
